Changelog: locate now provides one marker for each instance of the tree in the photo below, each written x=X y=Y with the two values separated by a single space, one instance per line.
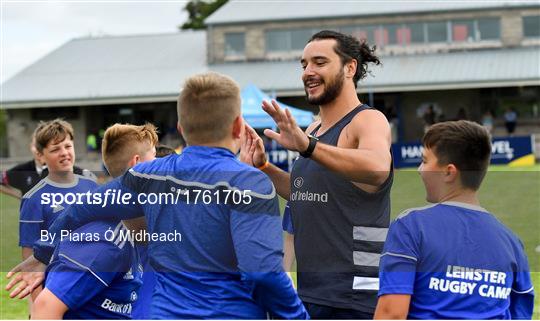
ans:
x=198 y=11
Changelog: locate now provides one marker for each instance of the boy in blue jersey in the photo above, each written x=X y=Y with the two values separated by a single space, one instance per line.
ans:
x=227 y=262
x=53 y=142
x=95 y=275
x=54 y=146
x=453 y=259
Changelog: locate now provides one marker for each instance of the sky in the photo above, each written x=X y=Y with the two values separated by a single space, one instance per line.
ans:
x=32 y=29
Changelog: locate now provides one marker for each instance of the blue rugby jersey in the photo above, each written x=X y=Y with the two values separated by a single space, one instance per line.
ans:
x=457 y=261
x=96 y=275
x=228 y=263
x=36 y=215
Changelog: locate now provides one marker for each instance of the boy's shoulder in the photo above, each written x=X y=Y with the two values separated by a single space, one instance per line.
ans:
x=416 y=212
x=46 y=185
x=454 y=212
x=423 y=212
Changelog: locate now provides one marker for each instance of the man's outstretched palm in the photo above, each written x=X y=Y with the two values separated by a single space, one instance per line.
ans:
x=290 y=136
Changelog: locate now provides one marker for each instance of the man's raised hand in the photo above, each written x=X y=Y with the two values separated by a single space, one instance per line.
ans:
x=290 y=136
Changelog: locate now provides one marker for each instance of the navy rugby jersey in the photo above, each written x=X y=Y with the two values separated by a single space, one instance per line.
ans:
x=228 y=262
x=457 y=261
x=97 y=275
x=36 y=212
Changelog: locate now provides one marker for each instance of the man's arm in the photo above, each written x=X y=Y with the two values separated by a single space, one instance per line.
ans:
x=392 y=307
x=48 y=307
x=368 y=161
x=281 y=179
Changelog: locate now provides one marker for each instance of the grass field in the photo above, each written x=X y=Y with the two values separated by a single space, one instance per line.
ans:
x=512 y=194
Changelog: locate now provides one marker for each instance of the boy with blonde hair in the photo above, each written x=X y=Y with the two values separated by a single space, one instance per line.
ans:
x=453 y=259
x=99 y=277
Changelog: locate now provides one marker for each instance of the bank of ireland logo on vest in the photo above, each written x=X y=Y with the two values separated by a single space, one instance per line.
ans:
x=298 y=182
x=306 y=196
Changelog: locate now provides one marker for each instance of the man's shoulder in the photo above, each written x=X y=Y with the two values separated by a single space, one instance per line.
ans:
x=368 y=116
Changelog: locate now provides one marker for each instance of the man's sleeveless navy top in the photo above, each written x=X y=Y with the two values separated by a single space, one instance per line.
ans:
x=339 y=231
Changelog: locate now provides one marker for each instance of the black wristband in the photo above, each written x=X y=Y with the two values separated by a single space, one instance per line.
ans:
x=311 y=147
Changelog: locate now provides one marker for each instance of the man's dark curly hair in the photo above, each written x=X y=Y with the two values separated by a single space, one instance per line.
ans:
x=349 y=48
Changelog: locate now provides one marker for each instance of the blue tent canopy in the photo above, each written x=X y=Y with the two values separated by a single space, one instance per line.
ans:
x=252 y=98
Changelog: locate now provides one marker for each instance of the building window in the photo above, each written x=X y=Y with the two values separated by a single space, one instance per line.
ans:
x=287 y=40
x=299 y=38
x=463 y=31
x=235 y=45
x=393 y=33
x=277 y=40
x=437 y=32
x=417 y=32
x=531 y=26
x=489 y=29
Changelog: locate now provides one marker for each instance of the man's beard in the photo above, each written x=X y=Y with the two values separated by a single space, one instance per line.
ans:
x=331 y=91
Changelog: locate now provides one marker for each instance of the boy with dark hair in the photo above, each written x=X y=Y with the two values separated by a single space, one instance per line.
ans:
x=98 y=276
x=453 y=259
